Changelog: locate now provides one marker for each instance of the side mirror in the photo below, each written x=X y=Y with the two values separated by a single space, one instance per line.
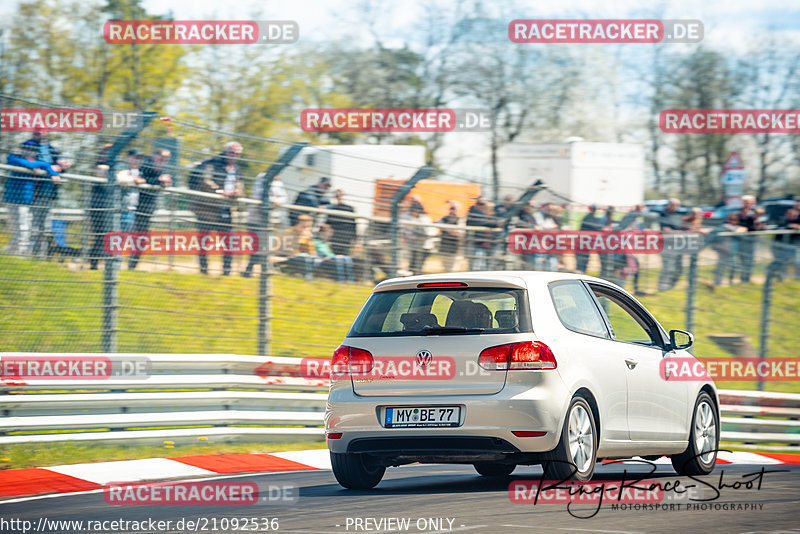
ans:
x=680 y=339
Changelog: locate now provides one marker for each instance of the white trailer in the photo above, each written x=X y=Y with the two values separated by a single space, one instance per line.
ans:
x=352 y=168
x=585 y=173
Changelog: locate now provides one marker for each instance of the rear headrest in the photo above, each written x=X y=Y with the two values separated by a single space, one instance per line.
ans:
x=417 y=321
x=506 y=319
x=469 y=315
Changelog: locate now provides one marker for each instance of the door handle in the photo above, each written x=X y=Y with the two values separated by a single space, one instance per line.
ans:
x=631 y=363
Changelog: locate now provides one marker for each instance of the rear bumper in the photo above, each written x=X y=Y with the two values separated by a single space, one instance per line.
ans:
x=430 y=445
x=487 y=423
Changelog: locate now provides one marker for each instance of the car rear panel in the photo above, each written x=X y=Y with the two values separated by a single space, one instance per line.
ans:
x=452 y=369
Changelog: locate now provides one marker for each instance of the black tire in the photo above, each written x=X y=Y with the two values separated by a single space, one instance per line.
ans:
x=692 y=461
x=356 y=471
x=559 y=464
x=491 y=469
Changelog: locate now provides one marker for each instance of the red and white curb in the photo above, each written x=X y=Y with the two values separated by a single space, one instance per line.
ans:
x=87 y=477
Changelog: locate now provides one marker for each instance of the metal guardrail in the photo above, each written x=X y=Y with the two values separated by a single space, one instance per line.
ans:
x=760 y=420
x=186 y=398
x=226 y=397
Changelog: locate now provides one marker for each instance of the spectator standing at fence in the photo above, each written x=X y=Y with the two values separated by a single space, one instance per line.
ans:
x=725 y=247
x=277 y=198
x=19 y=194
x=591 y=222
x=418 y=239
x=608 y=262
x=481 y=241
x=46 y=190
x=130 y=195
x=545 y=220
x=450 y=237
x=787 y=246
x=503 y=209
x=671 y=224
x=627 y=264
x=315 y=196
x=527 y=219
x=99 y=208
x=747 y=244
x=153 y=172
x=693 y=221
x=343 y=228
x=219 y=175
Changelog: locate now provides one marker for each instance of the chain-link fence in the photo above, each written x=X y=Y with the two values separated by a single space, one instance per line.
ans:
x=74 y=276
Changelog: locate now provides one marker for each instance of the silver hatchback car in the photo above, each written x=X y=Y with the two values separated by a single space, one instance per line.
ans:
x=499 y=369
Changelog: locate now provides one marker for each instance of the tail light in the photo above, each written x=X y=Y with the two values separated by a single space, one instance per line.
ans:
x=350 y=360
x=515 y=356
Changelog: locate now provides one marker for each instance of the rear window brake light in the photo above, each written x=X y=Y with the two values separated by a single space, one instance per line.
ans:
x=425 y=285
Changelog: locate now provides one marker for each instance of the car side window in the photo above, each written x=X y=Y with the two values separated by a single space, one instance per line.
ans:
x=576 y=308
x=628 y=323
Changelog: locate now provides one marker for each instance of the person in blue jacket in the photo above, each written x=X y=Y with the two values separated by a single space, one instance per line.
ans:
x=19 y=194
x=45 y=191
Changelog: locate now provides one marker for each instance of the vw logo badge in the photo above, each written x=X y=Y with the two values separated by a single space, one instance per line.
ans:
x=424 y=358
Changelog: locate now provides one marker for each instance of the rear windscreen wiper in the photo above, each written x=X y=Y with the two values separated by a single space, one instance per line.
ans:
x=433 y=330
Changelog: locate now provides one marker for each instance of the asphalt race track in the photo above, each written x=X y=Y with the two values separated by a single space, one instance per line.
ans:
x=443 y=498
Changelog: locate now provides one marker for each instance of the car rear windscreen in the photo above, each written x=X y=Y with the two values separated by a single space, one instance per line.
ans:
x=443 y=312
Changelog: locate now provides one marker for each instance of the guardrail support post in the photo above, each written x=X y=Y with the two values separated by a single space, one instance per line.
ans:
x=394 y=229
x=113 y=201
x=766 y=301
x=691 y=292
x=264 y=281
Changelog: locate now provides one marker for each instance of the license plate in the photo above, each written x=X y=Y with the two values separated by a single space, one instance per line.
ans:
x=422 y=416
